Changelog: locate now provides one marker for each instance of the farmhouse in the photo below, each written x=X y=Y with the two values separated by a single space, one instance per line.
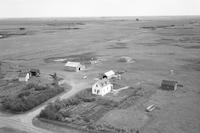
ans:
x=74 y=66
x=102 y=87
x=110 y=74
x=169 y=85
x=24 y=76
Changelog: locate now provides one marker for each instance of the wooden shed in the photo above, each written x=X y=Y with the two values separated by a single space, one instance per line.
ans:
x=169 y=85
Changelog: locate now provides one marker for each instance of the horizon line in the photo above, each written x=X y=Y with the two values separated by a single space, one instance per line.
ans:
x=85 y=17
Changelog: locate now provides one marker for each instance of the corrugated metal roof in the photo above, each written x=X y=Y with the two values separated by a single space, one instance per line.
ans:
x=109 y=73
x=73 y=64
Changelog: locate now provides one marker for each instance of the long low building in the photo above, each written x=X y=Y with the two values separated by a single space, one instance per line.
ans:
x=74 y=66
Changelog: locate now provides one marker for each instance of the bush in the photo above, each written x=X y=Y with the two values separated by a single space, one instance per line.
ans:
x=23 y=94
x=52 y=111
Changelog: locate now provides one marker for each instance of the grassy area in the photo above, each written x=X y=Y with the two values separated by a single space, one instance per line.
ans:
x=84 y=58
x=10 y=130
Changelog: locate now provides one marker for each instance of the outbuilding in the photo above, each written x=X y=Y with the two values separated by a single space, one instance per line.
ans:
x=34 y=72
x=169 y=85
x=74 y=66
x=102 y=87
x=110 y=74
x=24 y=76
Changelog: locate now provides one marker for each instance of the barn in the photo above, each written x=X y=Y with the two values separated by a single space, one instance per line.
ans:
x=102 y=87
x=74 y=66
x=169 y=85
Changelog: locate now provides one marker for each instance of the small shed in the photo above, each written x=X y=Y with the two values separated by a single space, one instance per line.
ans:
x=169 y=85
x=24 y=76
x=110 y=74
x=34 y=72
x=102 y=87
x=74 y=66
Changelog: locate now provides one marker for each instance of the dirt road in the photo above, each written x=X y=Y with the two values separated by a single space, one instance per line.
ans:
x=24 y=121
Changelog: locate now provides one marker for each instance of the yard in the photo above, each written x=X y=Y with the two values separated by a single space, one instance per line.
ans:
x=85 y=109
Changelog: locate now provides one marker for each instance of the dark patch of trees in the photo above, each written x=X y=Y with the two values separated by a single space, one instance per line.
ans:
x=31 y=96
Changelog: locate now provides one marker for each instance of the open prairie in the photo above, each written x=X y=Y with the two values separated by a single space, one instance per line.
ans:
x=160 y=47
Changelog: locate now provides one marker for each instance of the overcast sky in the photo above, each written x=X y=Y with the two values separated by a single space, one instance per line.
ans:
x=97 y=8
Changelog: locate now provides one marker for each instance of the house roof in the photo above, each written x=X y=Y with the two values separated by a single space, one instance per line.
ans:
x=168 y=82
x=73 y=64
x=109 y=73
x=23 y=74
x=103 y=82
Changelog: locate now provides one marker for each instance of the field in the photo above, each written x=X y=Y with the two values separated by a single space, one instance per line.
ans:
x=156 y=45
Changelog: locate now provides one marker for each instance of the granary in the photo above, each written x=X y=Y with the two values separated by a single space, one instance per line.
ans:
x=102 y=87
x=110 y=74
x=169 y=85
x=34 y=72
x=74 y=66
x=24 y=76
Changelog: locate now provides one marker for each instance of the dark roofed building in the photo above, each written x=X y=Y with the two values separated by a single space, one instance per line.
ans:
x=35 y=72
x=169 y=85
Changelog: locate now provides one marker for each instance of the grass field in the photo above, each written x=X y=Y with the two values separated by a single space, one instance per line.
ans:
x=156 y=44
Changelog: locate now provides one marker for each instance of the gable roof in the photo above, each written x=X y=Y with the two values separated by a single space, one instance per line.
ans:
x=22 y=74
x=109 y=73
x=102 y=82
x=73 y=64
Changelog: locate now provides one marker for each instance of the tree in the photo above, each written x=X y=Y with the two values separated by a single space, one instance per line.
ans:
x=55 y=78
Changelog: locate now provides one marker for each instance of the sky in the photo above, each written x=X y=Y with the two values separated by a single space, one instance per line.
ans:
x=97 y=8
